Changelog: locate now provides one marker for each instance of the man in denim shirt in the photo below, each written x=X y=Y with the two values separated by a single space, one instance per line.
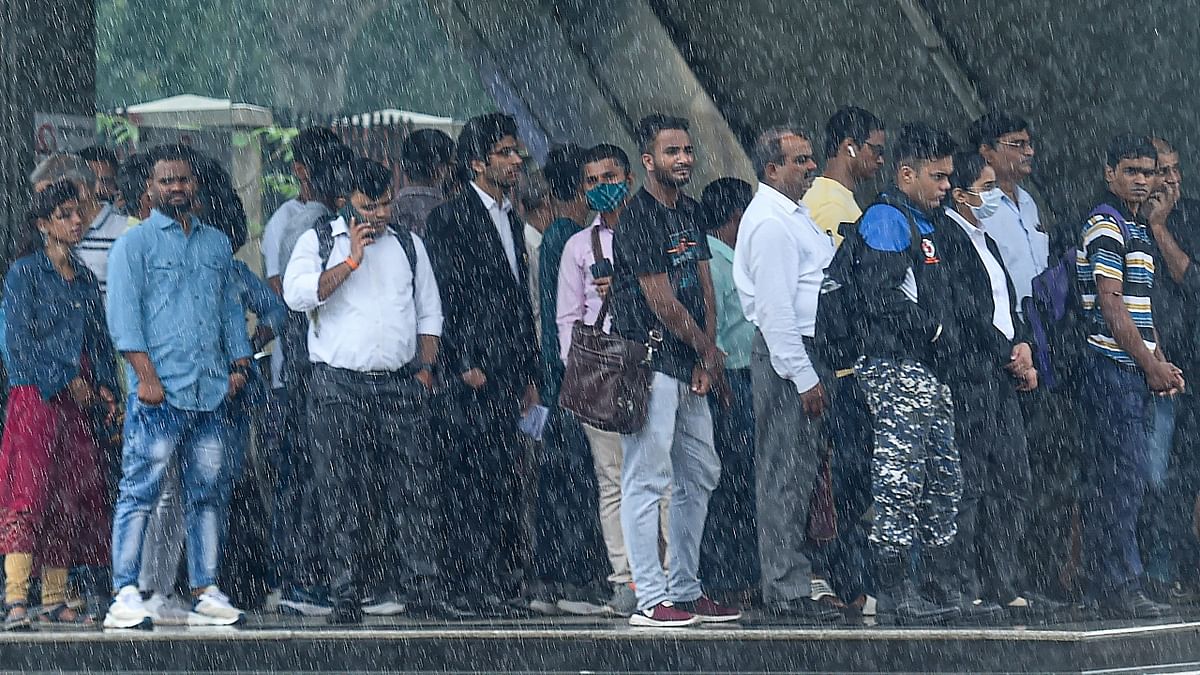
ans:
x=174 y=312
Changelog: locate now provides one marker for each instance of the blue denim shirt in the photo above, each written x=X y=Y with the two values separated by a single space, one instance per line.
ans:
x=265 y=304
x=176 y=297
x=51 y=322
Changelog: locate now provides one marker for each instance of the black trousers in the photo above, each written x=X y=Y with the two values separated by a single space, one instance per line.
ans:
x=990 y=434
x=377 y=482
x=485 y=473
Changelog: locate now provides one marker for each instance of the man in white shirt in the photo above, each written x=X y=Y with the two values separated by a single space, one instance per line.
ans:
x=1006 y=143
x=778 y=266
x=375 y=321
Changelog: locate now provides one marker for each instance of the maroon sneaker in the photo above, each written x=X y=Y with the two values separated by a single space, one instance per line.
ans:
x=711 y=611
x=663 y=615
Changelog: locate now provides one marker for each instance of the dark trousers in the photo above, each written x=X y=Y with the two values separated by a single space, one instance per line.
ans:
x=851 y=433
x=485 y=475
x=993 y=511
x=299 y=546
x=376 y=477
x=789 y=446
x=1054 y=441
x=1117 y=439
x=569 y=548
x=729 y=546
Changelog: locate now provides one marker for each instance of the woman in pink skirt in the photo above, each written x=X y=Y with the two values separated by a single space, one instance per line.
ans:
x=61 y=370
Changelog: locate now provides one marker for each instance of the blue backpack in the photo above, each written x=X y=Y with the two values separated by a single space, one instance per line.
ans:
x=1055 y=315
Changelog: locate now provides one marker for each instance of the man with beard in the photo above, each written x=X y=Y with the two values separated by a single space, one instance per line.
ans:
x=662 y=290
x=489 y=363
x=175 y=314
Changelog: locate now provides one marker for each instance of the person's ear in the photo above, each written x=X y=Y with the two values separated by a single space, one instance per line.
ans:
x=1110 y=174
x=906 y=174
x=647 y=162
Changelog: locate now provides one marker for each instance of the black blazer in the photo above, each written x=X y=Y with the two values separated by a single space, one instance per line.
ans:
x=985 y=350
x=488 y=320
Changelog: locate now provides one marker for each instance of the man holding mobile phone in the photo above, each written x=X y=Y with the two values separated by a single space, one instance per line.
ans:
x=583 y=282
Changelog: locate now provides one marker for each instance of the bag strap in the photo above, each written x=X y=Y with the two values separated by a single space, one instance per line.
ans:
x=598 y=255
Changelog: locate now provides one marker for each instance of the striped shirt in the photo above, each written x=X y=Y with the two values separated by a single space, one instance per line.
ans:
x=98 y=241
x=1123 y=252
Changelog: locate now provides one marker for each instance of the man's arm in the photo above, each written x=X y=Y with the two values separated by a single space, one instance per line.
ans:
x=676 y=318
x=710 y=300
x=572 y=298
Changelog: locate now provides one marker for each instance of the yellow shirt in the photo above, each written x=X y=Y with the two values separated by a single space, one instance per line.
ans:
x=831 y=204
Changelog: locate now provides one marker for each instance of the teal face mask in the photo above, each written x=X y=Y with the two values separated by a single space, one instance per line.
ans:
x=606 y=197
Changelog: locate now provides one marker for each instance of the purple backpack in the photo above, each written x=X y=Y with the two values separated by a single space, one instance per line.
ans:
x=1055 y=314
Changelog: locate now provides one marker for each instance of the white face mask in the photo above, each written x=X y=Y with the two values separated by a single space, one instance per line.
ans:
x=991 y=203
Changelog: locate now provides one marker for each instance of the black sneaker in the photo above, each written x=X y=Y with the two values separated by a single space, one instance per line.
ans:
x=346 y=611
x=1133 y=605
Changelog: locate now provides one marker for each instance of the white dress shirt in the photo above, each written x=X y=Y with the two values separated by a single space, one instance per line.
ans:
x=778 y=265
x=1001 y=315
x=1025 y=249
x=499 y=213
x=370 y=322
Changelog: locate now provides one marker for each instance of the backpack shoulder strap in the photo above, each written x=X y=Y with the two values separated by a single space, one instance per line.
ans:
x=1107 y=210
x=324 y=230
x=597 y=250
x=404 y=235
x=914 y=231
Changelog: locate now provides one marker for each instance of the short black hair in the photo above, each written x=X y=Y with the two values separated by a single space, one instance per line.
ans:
x=849 y=122
x=722 y=198
x=131 y=178
x=603 y=151
x=1129 y=146
x=650 y=126
x=172 y=152
x=768 y=147
x=42 y=206
x=219 y=201
x=919 y=143
x=967 y=167
x=988 y=129
x=532 y=191
x=370 y=178
x=330 y=178
x=424 y=151
x=563 y=171
x=312 y=144
x=481 y=133
x=99 y=153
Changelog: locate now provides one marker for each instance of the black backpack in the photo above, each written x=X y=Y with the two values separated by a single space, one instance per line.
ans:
x=400 y=232
x=838 y=337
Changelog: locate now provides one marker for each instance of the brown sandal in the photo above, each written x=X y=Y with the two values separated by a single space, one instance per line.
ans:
x=64 y=615
x=13 y=622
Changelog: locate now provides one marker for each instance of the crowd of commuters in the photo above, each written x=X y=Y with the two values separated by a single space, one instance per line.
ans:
x=852 y=411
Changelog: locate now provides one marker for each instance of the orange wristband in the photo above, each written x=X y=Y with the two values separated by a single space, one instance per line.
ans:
x=350 y=263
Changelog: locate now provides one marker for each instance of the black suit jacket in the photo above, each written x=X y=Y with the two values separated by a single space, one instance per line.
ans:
x=488 y=316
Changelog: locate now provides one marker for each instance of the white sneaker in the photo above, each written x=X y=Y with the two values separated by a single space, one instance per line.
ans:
x=128 y=611
x=167 y=610
x=212 y=608
x=386 y=605
x=820 y=589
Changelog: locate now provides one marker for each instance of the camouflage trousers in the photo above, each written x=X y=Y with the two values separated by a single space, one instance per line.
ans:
x=917 y=479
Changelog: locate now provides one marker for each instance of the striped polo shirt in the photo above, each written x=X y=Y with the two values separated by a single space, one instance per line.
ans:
x=1123 y=252
x=98 y=241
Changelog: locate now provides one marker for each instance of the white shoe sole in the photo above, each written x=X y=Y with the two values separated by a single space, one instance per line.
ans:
x=303 y=608
x=581 y=608
x=643 y=621
x=113 y=623
x=384 y=609
x=180 y=620
x=870 y=607
x=719 y=619
x=197 y=619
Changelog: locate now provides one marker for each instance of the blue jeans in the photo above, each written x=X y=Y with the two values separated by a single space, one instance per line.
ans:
x=673 y=453
x=207 y=463
x=1120 y=417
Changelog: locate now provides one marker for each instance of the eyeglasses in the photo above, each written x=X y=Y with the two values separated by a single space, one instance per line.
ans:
x=505 y=152
x=877 y=149
x=1019 y=145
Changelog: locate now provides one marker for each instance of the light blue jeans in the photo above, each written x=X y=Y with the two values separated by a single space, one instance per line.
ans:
x=198 y=440
x=672 y=454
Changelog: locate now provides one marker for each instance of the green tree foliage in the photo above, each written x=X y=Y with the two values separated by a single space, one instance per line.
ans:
x=396 y=54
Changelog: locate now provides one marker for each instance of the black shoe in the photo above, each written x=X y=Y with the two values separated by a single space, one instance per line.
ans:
x=905 y=606
x=346 y=611
x=801 y=611
x=981 y=612
x=439 y=610
x=1133 y=605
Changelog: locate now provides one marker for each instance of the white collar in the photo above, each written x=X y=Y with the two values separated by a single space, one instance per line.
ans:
x=972 y=230
x=338 y=226
x=488 y=202
x=781 y=199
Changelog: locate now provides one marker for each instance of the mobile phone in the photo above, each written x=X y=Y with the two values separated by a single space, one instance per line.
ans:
x=602 y=268
x=348 y=212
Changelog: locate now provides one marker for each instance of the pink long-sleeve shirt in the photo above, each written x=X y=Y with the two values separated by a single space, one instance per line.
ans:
x=577 y=295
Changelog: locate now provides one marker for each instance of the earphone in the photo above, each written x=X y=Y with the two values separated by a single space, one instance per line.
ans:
x=850 y=149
